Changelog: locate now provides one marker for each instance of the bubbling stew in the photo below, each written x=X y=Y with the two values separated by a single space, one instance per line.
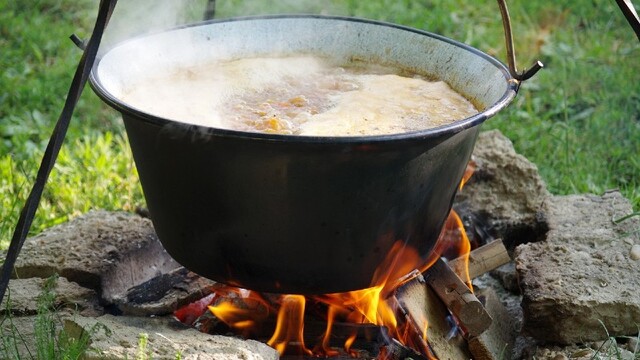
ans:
x=301 y=95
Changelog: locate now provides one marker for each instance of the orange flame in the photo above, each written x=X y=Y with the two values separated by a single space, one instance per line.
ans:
x=468 y=172
x=290 y=327
x=325 y=347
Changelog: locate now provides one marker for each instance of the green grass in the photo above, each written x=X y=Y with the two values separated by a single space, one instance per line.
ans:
x=578 y=120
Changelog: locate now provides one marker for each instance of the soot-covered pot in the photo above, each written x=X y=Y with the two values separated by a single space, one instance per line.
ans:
x=299 y=214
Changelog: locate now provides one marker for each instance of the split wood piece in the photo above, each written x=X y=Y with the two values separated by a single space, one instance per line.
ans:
x=498 y=341
x=482 y=260
x=423 y=307
x=395 y=350
x=455 y=294
x=156 y=288
x=164 y=293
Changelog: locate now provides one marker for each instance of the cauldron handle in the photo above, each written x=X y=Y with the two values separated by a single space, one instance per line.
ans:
x=511 y=53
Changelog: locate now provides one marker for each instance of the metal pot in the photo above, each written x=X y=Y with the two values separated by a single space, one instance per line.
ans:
x=299 y=214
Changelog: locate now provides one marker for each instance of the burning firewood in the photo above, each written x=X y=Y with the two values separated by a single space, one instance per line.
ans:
x=428 y=307
x=482 y=260
x=458 y=298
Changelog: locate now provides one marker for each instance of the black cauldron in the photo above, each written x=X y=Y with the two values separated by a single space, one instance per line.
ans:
x=299 y=214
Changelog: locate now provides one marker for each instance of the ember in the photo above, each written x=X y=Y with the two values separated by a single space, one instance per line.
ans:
x=335 y=322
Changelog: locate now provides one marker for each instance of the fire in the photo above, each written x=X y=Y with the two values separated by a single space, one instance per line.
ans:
x=375 y=305
x=453 y=242
x=290 y=326
x=468 y=172
x=249 y=312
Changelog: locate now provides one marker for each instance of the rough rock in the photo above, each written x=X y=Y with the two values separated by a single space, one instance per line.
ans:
x=633 y=344
x=17 y=337
x=601 y=350
x=505 y=191
x=22 y=297
x=117 y=337
x=88 y=248
x=497 y=341
x=581 y=283
x=508 y=276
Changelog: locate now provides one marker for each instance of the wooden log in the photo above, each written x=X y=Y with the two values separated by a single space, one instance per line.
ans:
x=423 y=307
x=164 y=293
x=482 y=259
x=498 y=341
x=457 y=297
x=157 y=287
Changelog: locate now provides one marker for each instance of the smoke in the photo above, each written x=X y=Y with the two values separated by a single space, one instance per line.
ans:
x=135 y=17
x=228 y=8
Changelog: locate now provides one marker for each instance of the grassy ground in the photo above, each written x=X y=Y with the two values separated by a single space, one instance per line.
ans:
x=579 y=119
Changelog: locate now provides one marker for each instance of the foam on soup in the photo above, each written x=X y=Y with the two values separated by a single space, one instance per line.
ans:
x=301 y=95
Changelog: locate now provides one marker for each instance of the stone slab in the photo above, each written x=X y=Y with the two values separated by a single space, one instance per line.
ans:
x=582 y=284
x=508 y=276
x=17 y=336
x=505 y=191
x=22 y=297
x=116 y=338
x=86 y=248
x=601 y=350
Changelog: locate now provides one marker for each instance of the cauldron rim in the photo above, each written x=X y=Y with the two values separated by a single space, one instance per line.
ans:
x=434 y=132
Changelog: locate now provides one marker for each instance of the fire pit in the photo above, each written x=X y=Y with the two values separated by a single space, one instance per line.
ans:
x=387 y=321
x=369 y=208
x=396 y=304
x=138 y=288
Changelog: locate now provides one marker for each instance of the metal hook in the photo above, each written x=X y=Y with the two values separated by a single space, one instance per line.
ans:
x=511 y=53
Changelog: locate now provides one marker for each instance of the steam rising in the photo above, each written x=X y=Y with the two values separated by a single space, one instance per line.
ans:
x=135 y=17
x=132 y=18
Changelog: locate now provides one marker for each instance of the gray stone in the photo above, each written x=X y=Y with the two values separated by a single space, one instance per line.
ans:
x=17 y=337
x=633 y=344
x=506 y=191
x=23 y=294
x=573 y=352
x=96 y=247
x=117 y=337
x=580 y=283
x=603 y=350
x=507 y=275
x=509 y=300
